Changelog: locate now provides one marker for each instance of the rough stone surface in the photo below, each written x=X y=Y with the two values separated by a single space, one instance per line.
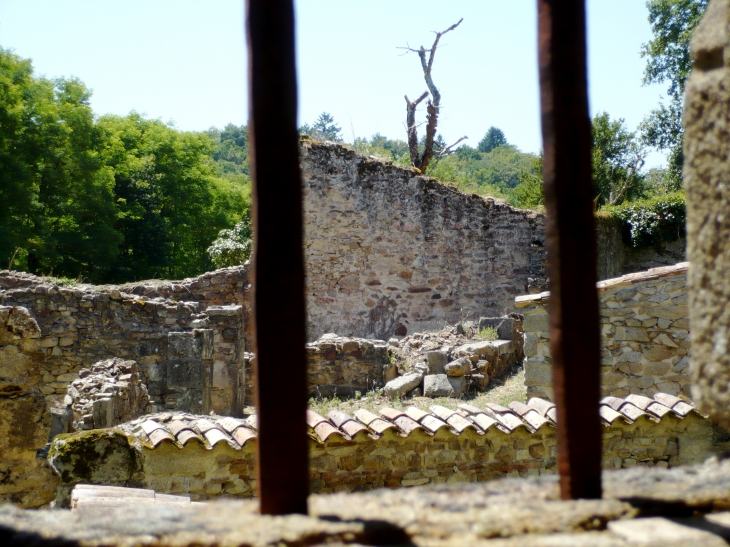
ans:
x=645 y=340
x=441 y=385
x=684 y=507
x=706 y=174
x=459 y=367
x=340 y=366
x=403 y=384
x=109 y=393
x=497 y=357
x=25 y=421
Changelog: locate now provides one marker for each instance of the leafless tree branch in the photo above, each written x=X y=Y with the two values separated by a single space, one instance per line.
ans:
x=421 y=161
x=445 y=152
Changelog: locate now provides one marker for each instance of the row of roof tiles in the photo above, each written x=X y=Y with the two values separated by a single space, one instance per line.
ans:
x=180 y=429
x=629 y=279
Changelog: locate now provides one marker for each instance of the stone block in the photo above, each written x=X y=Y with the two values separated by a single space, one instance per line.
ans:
x=435 y=361
x=535 y=323
x=441 y=385
x=459 y=367
x=636 y=334
x=402 y=385
x=505 y=326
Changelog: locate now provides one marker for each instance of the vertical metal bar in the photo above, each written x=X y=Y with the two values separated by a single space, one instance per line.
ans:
x=571 y=245
x=278 y=263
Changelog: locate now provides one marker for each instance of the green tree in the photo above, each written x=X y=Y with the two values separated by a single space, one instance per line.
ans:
x=672 y=22
x=617 y=159
x=493 y=138
x=530 y=192
x=324 y=129
x=171 y=205
x=56 y=201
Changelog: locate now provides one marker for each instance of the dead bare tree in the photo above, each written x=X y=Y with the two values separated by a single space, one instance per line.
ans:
x=432 y=148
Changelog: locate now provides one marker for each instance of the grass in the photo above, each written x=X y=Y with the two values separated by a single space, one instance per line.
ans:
x=510 y=388
x=488 y=334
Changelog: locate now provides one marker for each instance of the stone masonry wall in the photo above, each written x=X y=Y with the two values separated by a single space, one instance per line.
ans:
x=389 y=251
x=25 y=420
x=339 y=366
x=644 y=335
x=85 y=324
x=196 y=456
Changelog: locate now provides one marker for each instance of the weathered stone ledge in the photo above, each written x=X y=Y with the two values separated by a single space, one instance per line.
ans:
x=678 y=507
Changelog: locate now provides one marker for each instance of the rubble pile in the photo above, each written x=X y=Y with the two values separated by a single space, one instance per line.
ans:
x=107 y=394
x=448 y=362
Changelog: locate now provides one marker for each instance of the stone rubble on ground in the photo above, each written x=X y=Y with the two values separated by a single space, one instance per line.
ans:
x=107 y=394
x=451 y=360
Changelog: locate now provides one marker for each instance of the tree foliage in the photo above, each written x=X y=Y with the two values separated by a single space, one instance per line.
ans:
x=232 y=247
x=323 y=129
x=672 y=22
x=493 y=138
x=109 y=199
x=617 y=159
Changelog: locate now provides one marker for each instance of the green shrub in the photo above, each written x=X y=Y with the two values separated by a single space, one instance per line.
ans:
x=652 y=221
x=488 y=333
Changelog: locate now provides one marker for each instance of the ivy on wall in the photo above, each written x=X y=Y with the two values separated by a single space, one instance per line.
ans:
x=652 y=221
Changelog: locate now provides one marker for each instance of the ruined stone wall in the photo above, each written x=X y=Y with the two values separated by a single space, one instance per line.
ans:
x=25 y=478
x=341 y=366
x=85 y=324
x=391 y=252
x=645 y=340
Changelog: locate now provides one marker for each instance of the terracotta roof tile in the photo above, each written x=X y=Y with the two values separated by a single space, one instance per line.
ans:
x=610 y=415
x=314 y=419
x=372 y=421
x=528 y=414
x=407 y=424
x=353 y=427
x=325 y=430
x=338 y=417
x=229 y=424
x=187 y=435
x=391 y=413
x=181 y=428
x=505 y=418
x=365 y=416
x=545 y=408
x=242 y=435
x=159 y=435
x=215 y=435
x=442 y=412
x=416 y=413
x=176 y=426
x=648 y=405
x=149 y=426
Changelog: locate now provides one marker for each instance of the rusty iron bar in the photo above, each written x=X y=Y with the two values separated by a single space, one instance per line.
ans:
x=278 y=262
x=571 y=244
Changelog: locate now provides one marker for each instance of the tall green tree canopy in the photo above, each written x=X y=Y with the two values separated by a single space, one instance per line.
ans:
x=324 y=128
x=109 y=199
x=672 y=22
x=617 y=159
x=493 y=138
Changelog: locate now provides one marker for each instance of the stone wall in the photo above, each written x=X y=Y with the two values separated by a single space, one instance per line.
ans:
x=84 y=324
x=25 y=420
x=706 y=175
x=339 y=366
x=208 y=457
x=644 y=335
x=389 y=251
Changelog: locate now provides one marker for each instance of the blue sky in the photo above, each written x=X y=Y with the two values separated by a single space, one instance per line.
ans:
x=184 y=60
